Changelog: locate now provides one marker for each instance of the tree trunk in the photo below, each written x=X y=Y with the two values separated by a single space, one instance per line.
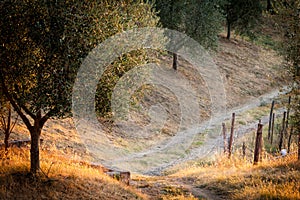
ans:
x=35 y=130
x=174 y=61
x=6 y=137
x=228 y=29
x=269 y=5
x=35 y=134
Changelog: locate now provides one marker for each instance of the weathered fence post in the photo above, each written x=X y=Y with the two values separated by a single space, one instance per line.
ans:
x=270 y=119
x=258 y=142
x=288 y=114
x=244 y=149
x=299 y=145
x=282 y=132
x=231 y=136
x=290 y=139
x=224 y=136
x=272 y=128
x=261 y=149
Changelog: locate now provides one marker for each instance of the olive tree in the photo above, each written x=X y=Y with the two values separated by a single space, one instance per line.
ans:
x=200 y=20
x=243 y=16
x=7 y=121
x=42 y=46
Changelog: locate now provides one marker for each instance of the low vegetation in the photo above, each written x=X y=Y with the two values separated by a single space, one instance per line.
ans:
x=224 y=178
x=239 y=179
x=60 y=178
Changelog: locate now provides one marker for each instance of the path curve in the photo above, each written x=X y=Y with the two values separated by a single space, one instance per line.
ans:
x=214 y=142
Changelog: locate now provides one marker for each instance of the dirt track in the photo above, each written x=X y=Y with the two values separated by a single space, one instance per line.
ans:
x=212 y=144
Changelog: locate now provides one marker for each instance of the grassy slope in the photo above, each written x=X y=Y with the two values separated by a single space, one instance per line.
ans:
x=238 y=179
x=60 y=179
x=247 y=70
x=228 y=179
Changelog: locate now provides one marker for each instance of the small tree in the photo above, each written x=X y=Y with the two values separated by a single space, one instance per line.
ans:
x=43 y=43
x=200 y=20
x=171 y=13
x=243 y=16
x=6 y=123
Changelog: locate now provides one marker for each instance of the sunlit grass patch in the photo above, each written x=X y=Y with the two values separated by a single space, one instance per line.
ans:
x=237 y=178
x=60 y=178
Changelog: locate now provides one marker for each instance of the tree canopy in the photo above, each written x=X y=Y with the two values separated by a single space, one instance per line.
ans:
x=42 y=46
x=200 y=20
x=243 y=16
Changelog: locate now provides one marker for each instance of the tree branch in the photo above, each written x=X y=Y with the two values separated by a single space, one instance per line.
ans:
x=27 y=111
x=46 y=117
x=14 y=104
x=14 y=124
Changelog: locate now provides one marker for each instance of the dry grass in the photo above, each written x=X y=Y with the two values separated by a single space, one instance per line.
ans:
x=160 y=187
x=247 y=70
x=239 y=179
x=60 y=179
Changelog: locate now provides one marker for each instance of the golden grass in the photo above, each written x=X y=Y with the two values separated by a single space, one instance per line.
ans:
x=238 y=179
x=180 y=197
x=60 y=179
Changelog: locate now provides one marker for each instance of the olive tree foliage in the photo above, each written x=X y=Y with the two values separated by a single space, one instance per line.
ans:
x=288 y=19
x=201 y=20
x=124 y=17
x=242 y=15
x=42 y=44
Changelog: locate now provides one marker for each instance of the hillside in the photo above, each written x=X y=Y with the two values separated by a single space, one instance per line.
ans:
x=247 y=70
x=228 y=179
x=60 y=179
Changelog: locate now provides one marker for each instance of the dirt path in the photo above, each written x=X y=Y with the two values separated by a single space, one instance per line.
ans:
x=200 y=193
x=169 y=154
x=211 y=145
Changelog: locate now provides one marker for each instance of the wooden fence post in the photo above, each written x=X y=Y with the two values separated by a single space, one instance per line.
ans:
x=272 y=128
x=290 y=139
x=299 y=145
x=288 y=114
x=261 y=149
x=231 y=136
x=244 y=149
x=224 y=136
x=282 y=132
x=270 y=119
x=258 y=142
